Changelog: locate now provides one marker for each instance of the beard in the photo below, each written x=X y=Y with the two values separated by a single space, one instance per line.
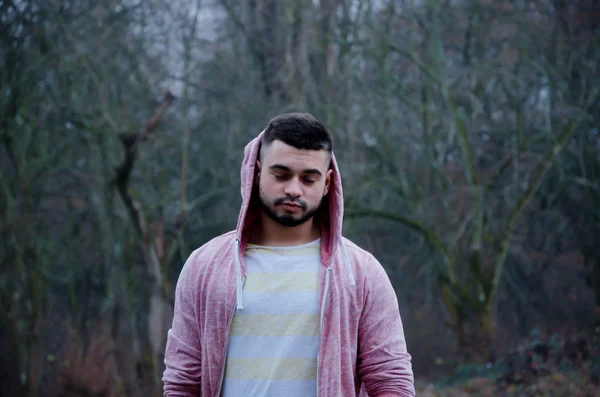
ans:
x=285 y=219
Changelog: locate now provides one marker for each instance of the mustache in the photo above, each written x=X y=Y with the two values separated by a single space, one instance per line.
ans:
x=290 y=200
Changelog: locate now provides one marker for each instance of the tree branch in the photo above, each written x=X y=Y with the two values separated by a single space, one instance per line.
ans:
x=470 y=170
x=429 y=235
x=130 y=143
x=536 y=180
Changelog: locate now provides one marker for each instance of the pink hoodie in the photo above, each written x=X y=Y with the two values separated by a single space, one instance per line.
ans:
x=362 y=349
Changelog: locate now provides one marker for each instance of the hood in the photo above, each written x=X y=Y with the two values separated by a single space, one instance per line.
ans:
x=329 y=216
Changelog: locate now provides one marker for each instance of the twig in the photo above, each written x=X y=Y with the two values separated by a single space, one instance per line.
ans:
x=130 y=142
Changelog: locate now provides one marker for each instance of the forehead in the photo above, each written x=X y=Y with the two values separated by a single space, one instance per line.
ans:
x=296 y=159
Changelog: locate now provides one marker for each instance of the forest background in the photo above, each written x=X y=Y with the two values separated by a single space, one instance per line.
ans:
x=467 y=133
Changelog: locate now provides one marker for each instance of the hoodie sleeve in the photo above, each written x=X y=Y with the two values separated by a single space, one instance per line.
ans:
x=383 y=361
x=183 y=351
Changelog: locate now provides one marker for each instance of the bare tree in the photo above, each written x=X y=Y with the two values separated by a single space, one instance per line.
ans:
x=449 y=181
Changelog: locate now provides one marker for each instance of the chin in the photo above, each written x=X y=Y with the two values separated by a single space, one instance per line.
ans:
x=288 y=221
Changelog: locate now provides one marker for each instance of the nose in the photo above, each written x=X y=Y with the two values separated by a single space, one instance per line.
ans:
x=293 y=188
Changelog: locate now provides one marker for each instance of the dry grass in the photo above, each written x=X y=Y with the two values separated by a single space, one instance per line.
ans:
x=555 y=365
x=555 y=385
x=90 y=371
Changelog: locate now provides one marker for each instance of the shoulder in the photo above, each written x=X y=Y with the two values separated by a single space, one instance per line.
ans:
x=218 y=242
x=358 y=256
x=214 y=250
x=365 y=266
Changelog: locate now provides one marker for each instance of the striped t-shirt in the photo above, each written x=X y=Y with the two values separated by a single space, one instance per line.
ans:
x=273 y=342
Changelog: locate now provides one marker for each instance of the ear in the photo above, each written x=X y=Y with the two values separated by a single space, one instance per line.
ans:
x=328 y=176
x=256 y=172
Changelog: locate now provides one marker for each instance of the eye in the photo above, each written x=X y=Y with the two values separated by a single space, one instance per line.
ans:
x=280 y=177
x=308 y=181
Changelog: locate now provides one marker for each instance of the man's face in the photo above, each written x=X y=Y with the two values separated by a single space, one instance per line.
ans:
x=292 y=182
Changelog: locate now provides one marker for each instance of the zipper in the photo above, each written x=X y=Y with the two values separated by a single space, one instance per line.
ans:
x=321 y=320
x=227 y=342
x=235 y=304
x=225 y=352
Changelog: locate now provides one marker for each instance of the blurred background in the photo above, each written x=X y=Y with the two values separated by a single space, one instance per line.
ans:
x=467 y=133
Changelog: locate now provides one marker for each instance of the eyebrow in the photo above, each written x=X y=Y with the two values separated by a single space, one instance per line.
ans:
x=287 y=169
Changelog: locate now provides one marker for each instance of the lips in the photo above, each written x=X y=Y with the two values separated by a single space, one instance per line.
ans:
x=291 y=207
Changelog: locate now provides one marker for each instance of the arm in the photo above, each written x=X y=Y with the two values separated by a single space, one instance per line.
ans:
x=383 y=361
x=182 y=374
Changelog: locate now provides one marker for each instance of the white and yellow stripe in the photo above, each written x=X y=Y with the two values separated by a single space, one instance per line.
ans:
x=273 y=342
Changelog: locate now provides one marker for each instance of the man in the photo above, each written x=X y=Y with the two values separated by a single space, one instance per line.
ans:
x=284 y=305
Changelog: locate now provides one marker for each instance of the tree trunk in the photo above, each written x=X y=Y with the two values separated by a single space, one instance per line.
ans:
x=472 y=325
x=595 y=266
x=475 y=336
x=159 y=317
x=10 y=363
x=34 y=356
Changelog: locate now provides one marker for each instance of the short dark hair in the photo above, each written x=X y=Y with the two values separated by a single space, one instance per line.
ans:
x=299 y=130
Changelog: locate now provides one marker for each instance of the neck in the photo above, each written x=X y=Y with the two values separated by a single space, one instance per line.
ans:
x=273 y=234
